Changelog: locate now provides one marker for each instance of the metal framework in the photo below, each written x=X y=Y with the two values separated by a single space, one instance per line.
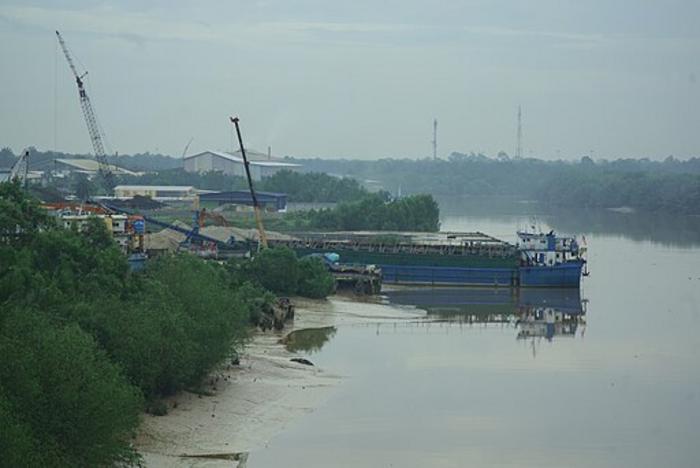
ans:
x=519 y=149
x=91 y=120
x=256 y=205
x=20 y=169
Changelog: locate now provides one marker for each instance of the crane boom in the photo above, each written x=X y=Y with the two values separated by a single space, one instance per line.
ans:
x=91 y=121
x=256 y=206
x=20 y=169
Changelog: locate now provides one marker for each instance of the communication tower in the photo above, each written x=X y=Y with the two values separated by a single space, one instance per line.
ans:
x=519 y=149
x=434 y=138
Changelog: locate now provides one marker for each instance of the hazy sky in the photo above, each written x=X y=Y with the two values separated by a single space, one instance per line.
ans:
x=358 y=78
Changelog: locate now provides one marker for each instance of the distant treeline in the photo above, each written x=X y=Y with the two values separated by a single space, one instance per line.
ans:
x=86 y=345
x=671 y=184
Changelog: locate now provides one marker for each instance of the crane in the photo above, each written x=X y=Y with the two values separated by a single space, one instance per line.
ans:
x=256 y=206
x=20 y=169
x=104 y=171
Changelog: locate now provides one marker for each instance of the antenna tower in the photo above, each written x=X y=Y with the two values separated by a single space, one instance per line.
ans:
x=519 y=149
x=434 y=138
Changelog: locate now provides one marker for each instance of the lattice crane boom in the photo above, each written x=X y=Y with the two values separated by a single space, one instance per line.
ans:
x=91 y=121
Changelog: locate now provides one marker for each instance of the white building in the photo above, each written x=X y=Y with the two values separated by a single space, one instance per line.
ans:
x=116 y=224
x=261 y=165
x=89 y=167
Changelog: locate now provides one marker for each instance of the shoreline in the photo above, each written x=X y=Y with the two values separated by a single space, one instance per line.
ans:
x=252 y=402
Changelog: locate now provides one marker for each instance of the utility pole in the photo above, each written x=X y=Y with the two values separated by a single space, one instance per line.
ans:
x=519 y=149
x=434 y=138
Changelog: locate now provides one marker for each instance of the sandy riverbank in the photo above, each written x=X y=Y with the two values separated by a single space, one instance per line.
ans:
x=254 y=401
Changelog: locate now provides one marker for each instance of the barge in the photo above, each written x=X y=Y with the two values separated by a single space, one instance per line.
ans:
x=452 y=258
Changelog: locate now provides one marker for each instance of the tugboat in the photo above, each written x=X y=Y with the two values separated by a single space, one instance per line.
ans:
x=547 y=260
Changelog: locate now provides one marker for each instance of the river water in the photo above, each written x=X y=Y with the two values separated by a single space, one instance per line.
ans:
x=614 y=381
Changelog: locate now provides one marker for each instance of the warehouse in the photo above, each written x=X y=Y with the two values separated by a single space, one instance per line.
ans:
x=261 y=164
x=89 y=167
x=268 y=200
x=156 y=192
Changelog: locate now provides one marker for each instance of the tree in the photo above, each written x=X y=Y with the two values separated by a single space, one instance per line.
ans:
x=274 y=269
x=314 y=280
x=77 y=408
x=20 y=216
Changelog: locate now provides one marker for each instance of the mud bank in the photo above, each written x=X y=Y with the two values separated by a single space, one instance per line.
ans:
x=248 y=404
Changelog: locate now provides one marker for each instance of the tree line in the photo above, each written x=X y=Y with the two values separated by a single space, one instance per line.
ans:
x=87 y=345
x=671 y=185
x=371 y=212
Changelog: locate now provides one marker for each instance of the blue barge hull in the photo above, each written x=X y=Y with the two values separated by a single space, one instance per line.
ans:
x=564 y=275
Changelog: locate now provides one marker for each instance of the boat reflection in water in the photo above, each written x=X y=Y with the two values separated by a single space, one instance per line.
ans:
x=545 y=315
x=536 y=313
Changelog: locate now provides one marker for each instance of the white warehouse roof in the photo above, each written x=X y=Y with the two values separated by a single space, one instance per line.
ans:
x=169 y=188
x=255 y=158
x=91 y=165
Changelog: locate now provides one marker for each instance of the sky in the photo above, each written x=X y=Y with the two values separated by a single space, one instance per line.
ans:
x=360 y=79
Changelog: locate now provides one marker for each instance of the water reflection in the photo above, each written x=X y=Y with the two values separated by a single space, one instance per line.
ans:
x=662 y=228
x=309 y=340
x=536 y=313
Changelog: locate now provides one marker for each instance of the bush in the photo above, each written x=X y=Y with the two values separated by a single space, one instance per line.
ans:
x=278 y=270
x=314 y=280
x=274 y=269
x=373 y=212
x=83 y=340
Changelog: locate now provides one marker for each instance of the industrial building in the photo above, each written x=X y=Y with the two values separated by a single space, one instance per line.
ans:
x=269 y=201
x=261 y=164
x=89 y=167
x=156 y=192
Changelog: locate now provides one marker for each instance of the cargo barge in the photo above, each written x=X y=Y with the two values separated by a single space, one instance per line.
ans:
x=454 y=259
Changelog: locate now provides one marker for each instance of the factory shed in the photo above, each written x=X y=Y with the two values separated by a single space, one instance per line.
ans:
x=156 y=192
x=261 y=164
x=88 y=166
x=268 y=200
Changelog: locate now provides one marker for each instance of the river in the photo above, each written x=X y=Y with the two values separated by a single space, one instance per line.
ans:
x=616 y=384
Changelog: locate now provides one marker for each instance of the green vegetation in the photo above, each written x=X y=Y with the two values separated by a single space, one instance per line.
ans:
x=279 y=270
x=313 y=187
x=86 y=344
x=669 y=185
x=213 y=180
x=646 y=191
x=373 y=212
